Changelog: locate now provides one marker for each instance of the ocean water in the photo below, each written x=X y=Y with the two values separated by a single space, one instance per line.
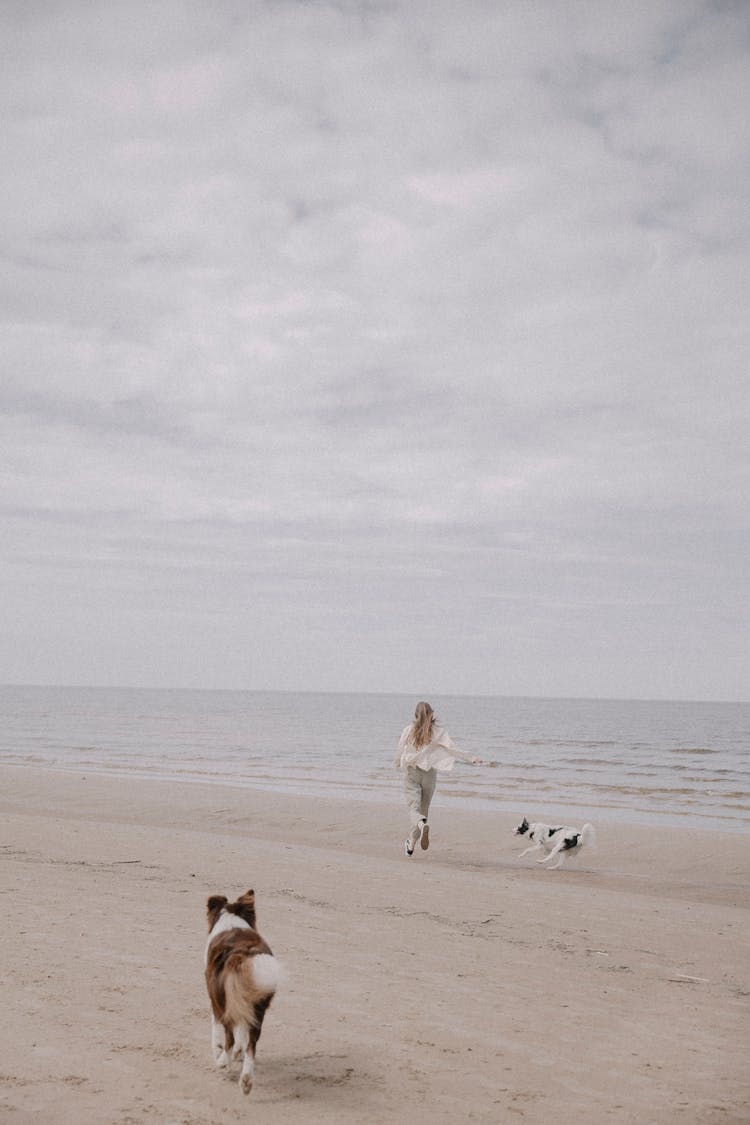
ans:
x=635 y=760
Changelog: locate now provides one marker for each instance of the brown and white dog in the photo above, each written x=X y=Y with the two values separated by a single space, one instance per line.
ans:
x=242 y=976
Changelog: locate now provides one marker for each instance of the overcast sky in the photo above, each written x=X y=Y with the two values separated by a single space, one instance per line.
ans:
x=393 y=346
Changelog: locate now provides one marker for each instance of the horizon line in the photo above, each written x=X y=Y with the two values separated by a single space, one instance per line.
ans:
x=339 y=691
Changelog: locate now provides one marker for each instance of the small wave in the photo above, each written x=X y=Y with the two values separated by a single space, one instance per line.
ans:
x=517 y=783
x=511 y=768
x=692 y=750
x=583 y=743
x=707 y=779
x=654 y=791
x=590 y=762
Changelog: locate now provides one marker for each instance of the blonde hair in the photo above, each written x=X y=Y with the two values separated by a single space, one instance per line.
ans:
x=424 y=721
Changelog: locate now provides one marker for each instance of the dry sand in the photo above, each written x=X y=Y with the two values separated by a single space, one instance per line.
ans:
x=463 y=985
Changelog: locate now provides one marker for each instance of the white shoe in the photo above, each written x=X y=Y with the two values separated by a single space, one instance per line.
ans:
x=408 y=849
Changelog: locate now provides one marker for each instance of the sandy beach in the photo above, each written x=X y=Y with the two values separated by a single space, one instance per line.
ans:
x=464 y=984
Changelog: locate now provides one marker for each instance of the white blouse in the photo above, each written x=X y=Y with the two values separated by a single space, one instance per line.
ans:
x=438 y=754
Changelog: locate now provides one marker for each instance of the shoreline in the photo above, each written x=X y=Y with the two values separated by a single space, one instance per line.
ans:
x=463 y=984
x=714 y=820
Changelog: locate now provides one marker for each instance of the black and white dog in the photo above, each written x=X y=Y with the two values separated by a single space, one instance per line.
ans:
x=561 y=841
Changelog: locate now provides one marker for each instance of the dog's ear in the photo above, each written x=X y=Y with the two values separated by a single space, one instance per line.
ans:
x=214 y=907
x=245 y=907
x=248 y=901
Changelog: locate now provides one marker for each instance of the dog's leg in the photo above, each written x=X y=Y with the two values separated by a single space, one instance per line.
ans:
x=241 y=1040
x=559 y=863
x=225 y=1054
x=249 y=1039
x=217 y=1042
x=248 y=1071
x=557 y=850
x=536 y=847
x=254 y=1030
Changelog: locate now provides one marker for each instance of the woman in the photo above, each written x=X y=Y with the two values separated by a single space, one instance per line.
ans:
x=424 y=748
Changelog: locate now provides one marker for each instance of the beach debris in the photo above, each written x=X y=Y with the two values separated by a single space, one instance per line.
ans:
x=683 y=978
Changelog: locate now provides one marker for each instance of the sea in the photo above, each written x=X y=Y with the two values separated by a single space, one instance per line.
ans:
x=645 y=761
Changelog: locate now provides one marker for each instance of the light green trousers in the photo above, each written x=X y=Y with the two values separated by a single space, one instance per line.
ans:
x=419 y=786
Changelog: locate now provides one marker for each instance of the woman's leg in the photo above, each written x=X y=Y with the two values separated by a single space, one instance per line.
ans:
x=428 y=789
x=429 y=778
x=413 y=788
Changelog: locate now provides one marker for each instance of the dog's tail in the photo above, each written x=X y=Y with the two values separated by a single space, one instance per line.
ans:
x=268 y=973
x=249 y=988
x=588 y=836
